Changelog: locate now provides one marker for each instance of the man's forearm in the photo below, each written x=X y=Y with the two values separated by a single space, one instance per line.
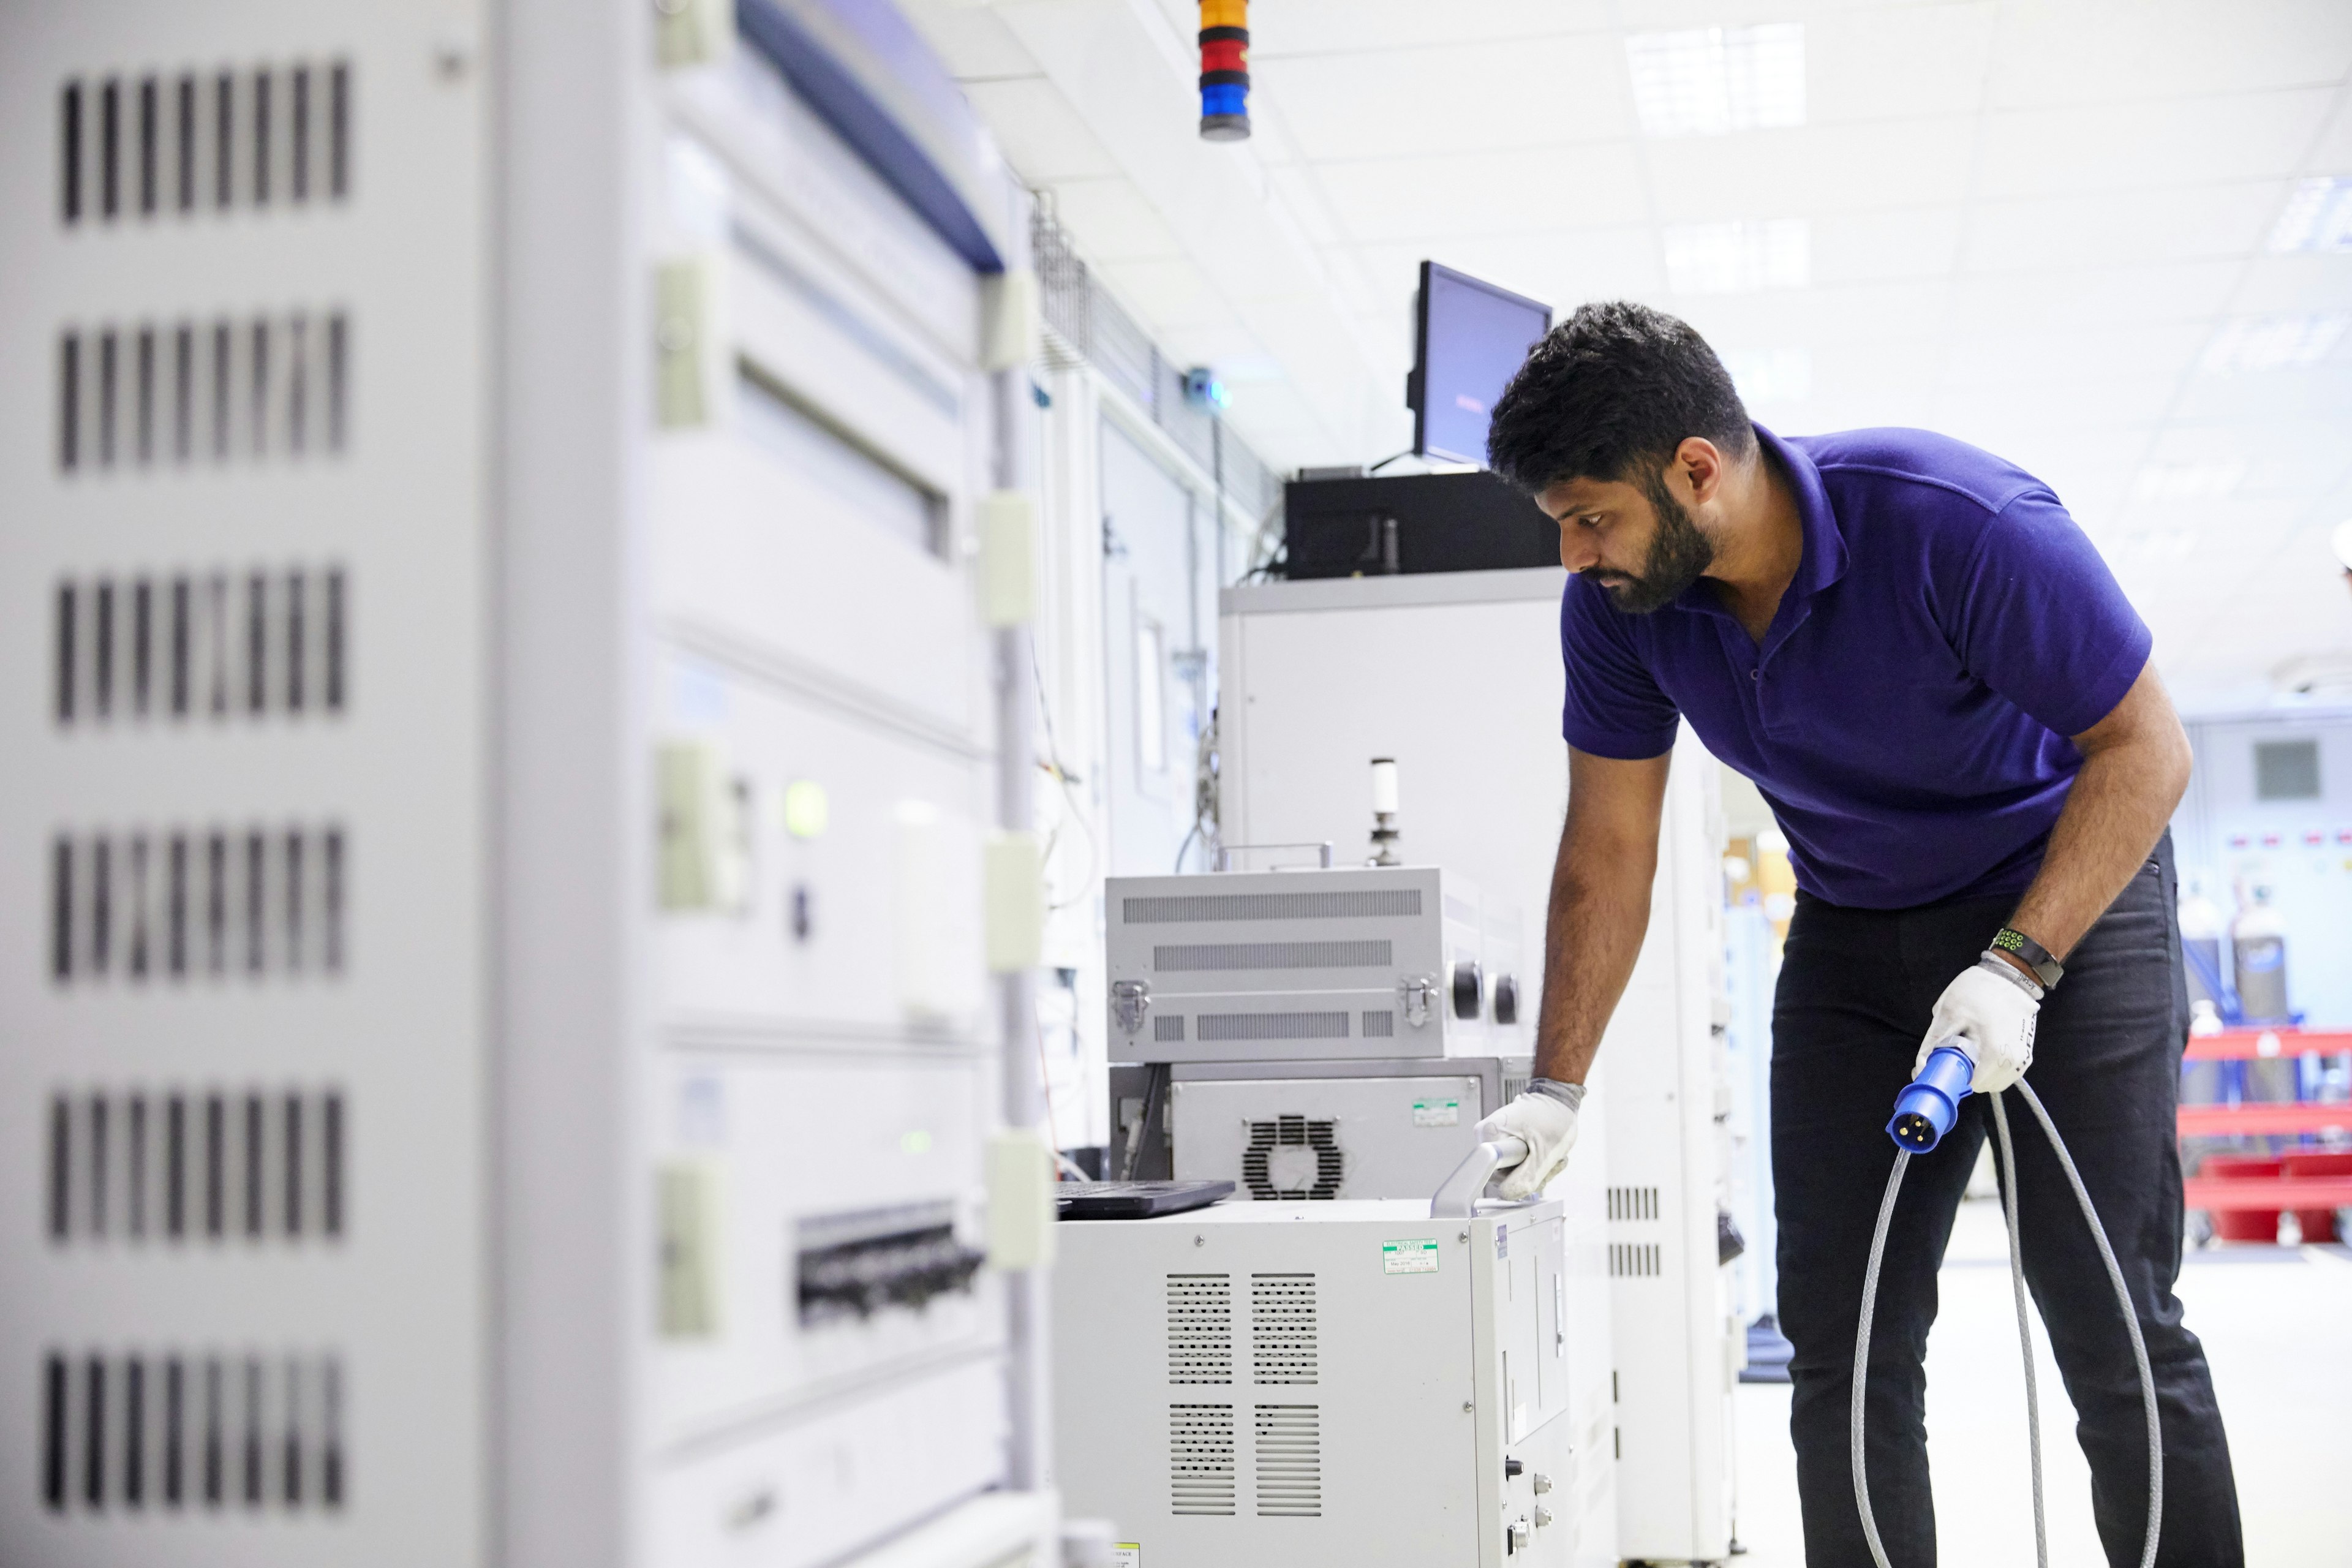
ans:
x=2123 y=795
x=1600 y=913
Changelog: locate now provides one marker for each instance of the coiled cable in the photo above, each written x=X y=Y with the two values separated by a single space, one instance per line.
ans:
x=2017 y=1279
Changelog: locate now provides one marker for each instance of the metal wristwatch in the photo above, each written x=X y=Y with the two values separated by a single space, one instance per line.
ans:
x=2036 y=957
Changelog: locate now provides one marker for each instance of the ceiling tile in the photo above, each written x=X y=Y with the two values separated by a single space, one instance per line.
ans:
x=1452 y=97
x=2015 y=358
x=2093 y=296
x=1897 y=63
x=2178 y=224
x=1044 y=138
x=1167 y=293
x=1520 y=190
x=1113 y=221
x=971 y=41
x=2139 y=146
x=2276 y=285
x=1889 y=243
x=2104 y=50
x=1281 y=29
x=1564 y=270
x=1808 y=170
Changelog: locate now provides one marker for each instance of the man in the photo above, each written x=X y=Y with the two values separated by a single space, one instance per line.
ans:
x=1930 y=674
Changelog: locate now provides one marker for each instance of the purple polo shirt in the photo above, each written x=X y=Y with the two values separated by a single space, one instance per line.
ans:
x=1908 y=713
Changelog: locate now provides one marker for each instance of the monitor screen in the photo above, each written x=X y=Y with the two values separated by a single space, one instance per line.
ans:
x=1470 y=337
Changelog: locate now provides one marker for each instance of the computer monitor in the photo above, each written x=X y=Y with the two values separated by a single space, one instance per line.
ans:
x=1469 y=337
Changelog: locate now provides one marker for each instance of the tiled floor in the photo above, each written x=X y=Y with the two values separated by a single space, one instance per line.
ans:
x=2277 y=1326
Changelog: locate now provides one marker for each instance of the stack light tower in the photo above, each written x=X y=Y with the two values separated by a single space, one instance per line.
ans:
x=1224 y=70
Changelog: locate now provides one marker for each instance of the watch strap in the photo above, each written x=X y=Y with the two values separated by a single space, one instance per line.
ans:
x=2036 y=957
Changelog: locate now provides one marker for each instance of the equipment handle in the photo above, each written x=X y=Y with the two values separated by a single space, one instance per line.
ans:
x=1457 y=1197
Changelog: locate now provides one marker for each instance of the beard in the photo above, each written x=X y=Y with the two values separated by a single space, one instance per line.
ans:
x=1679 y=556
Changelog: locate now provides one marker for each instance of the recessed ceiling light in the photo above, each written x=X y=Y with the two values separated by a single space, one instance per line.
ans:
x=2319 y=216
x=2272 y=342
x=2189 y=481
x=1740 y=257
x=1771 y=375
x=1711 y=81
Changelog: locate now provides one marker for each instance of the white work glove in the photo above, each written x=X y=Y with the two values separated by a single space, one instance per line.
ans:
x=1543 y=1118
x=1993 y=1006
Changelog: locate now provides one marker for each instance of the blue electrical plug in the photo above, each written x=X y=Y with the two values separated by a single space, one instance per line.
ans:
x=1930 y=1103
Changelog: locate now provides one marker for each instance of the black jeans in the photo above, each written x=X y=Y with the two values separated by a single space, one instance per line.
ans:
x=1857 y=989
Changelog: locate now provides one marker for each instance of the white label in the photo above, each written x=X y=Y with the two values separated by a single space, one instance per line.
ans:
x=1127 y=1555
x=1437 y=1113
x=1409 y=1257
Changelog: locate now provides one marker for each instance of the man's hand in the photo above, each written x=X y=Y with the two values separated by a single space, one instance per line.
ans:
x=1544 y=1118
x=1992 y=1006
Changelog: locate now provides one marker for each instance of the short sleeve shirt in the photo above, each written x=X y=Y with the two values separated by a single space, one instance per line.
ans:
x=1908 y=713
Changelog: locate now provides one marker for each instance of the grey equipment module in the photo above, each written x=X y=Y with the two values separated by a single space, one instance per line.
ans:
x=1355 y=1381
x=1305 y=965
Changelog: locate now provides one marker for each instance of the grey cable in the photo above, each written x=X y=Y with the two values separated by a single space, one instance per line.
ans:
x=2024 y=1332
x=1862 y=1355
x=2123 y=1299
x=2131 y=1324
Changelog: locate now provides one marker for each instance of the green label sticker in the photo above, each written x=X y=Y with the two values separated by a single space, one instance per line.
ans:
x=1409 y=1257
x=1437 y=1113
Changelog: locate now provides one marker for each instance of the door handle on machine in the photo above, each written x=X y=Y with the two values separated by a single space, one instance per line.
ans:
x=1457 y=1197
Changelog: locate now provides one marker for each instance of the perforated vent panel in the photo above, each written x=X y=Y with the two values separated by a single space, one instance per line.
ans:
x=1167 y=1027
x=174 y=1165
x=1633 y=1202
x=213 y=1430
x=150 y=144
x=175 y=393
x=1634 y=1261
x=1379 y=1025
x=253 y=645
x=1366 y=904
x=1200 y=1328
x=1291 y=1158
x=1288 y=1466
x=167 y=903
x=1275 y=955
x=1272 y=1026
x=1283 y=1332
x=1201 y=1458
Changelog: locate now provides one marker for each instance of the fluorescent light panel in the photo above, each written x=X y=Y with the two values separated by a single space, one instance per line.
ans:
x=1740 y=257
x=2272 y=342
x=2319 y=215
x=1766 y=376
x=1712 y=80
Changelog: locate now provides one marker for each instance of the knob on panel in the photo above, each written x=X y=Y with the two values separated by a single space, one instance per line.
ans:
x=1469 y=991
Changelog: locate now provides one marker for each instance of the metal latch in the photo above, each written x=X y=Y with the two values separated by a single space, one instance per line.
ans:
x=1129 y=1001
x=1420 y=994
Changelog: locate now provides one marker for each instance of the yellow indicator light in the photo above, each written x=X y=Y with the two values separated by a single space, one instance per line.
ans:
x=805 y=810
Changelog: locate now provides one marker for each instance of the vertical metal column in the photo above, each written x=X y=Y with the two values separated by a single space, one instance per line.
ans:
x=1029 y=1362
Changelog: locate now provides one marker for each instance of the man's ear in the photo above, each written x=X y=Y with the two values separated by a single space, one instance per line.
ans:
x=1700 y=464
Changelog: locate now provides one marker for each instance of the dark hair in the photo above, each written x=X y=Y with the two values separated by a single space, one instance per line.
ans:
x=1610 y=386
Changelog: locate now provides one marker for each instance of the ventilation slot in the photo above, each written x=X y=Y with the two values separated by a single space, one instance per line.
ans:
x=1379 y=1025
x=174 y=1163
x=1275 y=955
x=1289 y=1461
x=174 y=1432
x=1291 y=1158
x=255 y=645
x=1200 y=1328
x=1633 y=1202
x=1632 y=1260
x=155 y=393
x=1201 y=1458
x=1167 y=1027
x=1198 y=907
x=180 y=143
x=1514 y=1085
x=1282 y=1329
x=1272 y=1026
x=261 y=902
